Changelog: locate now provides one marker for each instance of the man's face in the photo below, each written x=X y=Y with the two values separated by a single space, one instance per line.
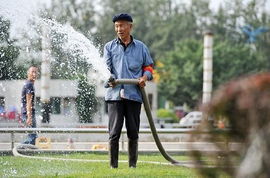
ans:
x=122 y=28
x=32 y=73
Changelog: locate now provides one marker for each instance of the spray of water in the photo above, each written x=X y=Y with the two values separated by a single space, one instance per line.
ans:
x=77 y=44
x=20 y=13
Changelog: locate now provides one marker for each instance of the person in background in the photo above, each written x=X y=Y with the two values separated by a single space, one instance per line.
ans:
x=28 y=106
x=126 y=58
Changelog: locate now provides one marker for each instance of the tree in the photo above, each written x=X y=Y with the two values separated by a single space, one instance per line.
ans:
x=8 y=54
x=235 y=60
x=79 y=14
x=181 y=74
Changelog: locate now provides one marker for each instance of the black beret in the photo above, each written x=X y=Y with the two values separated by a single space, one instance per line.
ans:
x=125 y=17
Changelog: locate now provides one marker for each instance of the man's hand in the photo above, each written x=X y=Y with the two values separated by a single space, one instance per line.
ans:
x=112 y=84
x=142 y=81
x=29 y=121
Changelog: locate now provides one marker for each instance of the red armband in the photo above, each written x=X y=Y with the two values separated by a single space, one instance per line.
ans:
x=148 y=68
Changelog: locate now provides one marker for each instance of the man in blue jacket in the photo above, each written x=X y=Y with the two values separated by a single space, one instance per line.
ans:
x=126 y=58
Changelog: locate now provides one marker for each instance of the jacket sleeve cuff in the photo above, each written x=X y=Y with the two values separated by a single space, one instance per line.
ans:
x=148 y=74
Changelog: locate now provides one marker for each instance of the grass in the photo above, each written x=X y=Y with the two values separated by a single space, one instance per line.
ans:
x=11 y=166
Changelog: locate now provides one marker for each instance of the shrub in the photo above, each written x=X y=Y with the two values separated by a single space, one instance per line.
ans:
x=86 y=101
x=166 y=114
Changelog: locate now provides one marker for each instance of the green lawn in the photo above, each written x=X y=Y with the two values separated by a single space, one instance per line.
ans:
x=11 y=166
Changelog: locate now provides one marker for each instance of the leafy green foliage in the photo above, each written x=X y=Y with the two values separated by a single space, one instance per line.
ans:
x=181 y=79
x=181 y=75
x=79 y=15
x=8 y=53
x=235 y=60
x=166 y=114
x=181 y=82
x=86 y=102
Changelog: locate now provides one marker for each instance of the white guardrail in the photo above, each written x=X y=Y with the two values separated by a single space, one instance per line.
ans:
x=14 y=131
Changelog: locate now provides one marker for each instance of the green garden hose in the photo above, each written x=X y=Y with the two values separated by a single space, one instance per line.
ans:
x=150 y=118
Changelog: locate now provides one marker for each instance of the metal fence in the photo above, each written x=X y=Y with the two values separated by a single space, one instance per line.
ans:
x=14 y=131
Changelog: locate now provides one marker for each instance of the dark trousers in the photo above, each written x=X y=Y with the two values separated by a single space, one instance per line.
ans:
x=117 y=111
